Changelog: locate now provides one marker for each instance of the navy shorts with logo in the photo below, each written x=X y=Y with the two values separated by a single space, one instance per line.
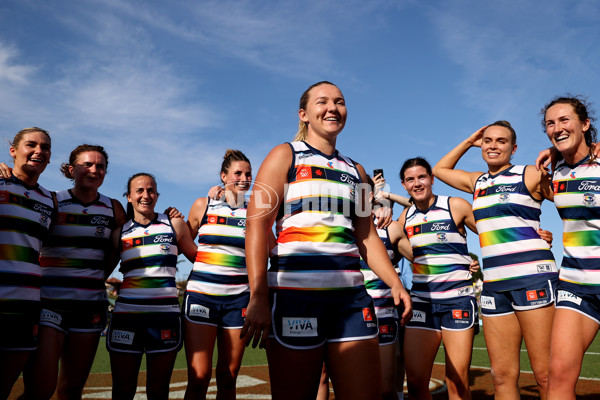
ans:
x=388 y=320
x=228 y=312
x=144 y=332
x=19 y=331
x=309 y=319
x=75 y=316
x=459 y=315
x=507 y=302
x=587 y=304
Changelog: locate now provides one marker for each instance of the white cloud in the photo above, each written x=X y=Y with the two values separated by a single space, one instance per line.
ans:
x=516 y=50
x=10 y=71
x=109 y=85
x=288 y=38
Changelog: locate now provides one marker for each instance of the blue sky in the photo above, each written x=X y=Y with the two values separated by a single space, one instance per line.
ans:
x=166 y=87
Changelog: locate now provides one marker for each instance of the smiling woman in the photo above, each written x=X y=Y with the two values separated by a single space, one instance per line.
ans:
x=313 y=191
x=73 y=295
x=26 y=212
x=444 y=304
x=576 y=180
x=519 y=271
x=147 y=317
x=217 y=291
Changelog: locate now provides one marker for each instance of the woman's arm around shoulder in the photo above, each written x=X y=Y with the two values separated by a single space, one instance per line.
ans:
x=462 y=212
x=267 y=195
x=195 y=216
x=539 y=183
x=457 y=178
x=392 y=197
x=185 y=243
x=120 y=216
x=112 y=256
x=399 y=239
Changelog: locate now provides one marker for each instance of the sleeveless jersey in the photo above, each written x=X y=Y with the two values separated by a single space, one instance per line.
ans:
x=441 y=258
x=73 y=256
x=377 y=288
x=25 y=216
x=220 y=267
x=508 y=218
x=577 y=198
x=316 y=248
x=148 y=264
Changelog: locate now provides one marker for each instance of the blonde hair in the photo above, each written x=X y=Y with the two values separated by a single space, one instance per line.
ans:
x=19 y=136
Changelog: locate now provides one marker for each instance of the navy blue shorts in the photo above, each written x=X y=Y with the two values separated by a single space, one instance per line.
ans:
x=309 y=319
x=583 y=303
x=75 y=316
x=457 y=316
x=19 y=331
x=144 y=332
x=507 y=302
x=228 y=312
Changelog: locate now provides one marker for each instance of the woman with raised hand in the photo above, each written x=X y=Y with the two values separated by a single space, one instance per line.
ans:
x=74 y=268
x=320 y=308
x=147 y=316
x=432 y=234
x=26 y=211
x=519 y=271
x=576 y=185
x=217 y=291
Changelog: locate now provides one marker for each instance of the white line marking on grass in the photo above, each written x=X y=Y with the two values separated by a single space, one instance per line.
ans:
x=591 y=353
x=105 y=392
x=522 y=371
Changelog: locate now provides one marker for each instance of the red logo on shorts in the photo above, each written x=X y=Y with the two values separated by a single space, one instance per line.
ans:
x=166 y=334
x=244 y=312
x=367 y=314
x=536 y=294
x=3 y=196
x=532 y=295
x=383 y=329
x=96 y=319
x=457 y=314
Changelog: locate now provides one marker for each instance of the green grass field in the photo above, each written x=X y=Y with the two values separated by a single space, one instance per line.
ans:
x=591 y=362
x=102 y=363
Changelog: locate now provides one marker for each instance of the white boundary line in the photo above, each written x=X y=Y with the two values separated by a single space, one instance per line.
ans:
x=591 y=353
x=522 y=371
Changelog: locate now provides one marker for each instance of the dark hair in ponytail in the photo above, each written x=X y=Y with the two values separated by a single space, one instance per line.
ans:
x=230 y=157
